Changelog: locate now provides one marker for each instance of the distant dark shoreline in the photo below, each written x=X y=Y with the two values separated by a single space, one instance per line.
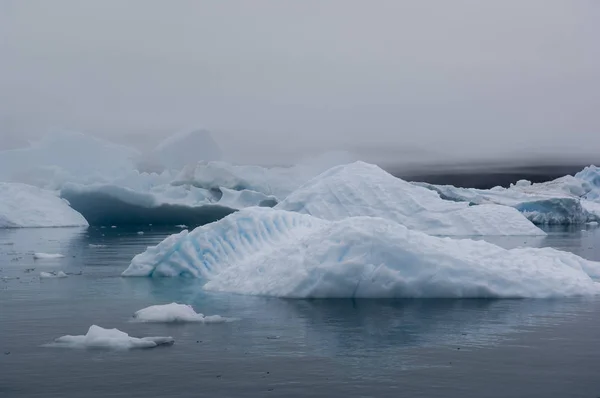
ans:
x=485 y=176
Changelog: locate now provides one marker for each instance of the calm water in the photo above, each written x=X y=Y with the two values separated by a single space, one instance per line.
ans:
x=286 y=348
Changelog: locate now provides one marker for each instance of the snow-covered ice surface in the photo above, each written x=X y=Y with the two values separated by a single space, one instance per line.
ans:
x=50 y=275
x=362 y=189
x=24 y=205
x=174 y=313
x=42 y=256
x=261 y=251
x=566 y=200
x=66 y=157
x=100 y=338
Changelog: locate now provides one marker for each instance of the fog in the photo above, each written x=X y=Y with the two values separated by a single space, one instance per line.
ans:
x=397 y=81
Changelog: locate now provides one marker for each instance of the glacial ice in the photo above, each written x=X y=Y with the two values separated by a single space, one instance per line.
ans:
x=362 y=189
x=23 y=205
x=66 y=156
x=106 y=204
x=277 y=182
x=174 y=313
x=262 y=251
x=114 y=339
x=186 y=147
x=566 y=200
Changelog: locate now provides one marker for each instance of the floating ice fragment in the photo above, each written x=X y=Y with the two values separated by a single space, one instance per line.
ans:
x=49 y=275
x=98 y=337
x=174 y=313
x=41 y=256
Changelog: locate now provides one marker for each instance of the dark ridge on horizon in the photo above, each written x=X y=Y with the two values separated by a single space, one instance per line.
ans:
x=486 y=176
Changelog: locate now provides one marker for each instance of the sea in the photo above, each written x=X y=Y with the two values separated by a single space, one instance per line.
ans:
x=280 y=347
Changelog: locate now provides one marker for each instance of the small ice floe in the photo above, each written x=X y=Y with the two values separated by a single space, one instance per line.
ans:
x=41 y=256
x=593 y=223
x=112 y=339
x=175 y=313
x=7 y=243
x=50 y=275
x=182 y=226
x=93 y=246
x=113 y=226
x=140 y=233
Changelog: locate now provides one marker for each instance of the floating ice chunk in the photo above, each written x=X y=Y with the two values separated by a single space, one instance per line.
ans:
x=566 y=200
x=24 y=205
x=182 y=226
x=593 y=224
x=94 y=246
x=174 y=313
x=98 y=337
x=362 y=189
x=140 y=232
x=42 y=256
x=49 y=275
x=262 y=251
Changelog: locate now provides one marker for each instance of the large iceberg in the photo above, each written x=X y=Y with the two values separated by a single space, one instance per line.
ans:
x=186 y=147
x=24 y=205
x=362 y=189
x=263 y=251
x=566 y=200
x=66 y=156
x=110 y=204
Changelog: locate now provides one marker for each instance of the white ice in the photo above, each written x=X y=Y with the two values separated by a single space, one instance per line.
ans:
x=50 y=275
x=95 y=246
x=362 y=189
x=566 y=200
x=66 y=156
x=174 y=313
x=277 y=182
x=42 y=256
x=186 y=147
x=24 y=205
x=261 y=251
x=98 y=337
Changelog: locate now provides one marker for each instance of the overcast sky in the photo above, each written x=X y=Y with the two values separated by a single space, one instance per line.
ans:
x=273 y=78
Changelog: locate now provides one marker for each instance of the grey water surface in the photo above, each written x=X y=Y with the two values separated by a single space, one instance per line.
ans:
x=284 y=348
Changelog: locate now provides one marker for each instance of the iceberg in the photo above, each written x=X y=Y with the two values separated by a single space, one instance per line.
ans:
x=100 y=338
x=201 y=193
x=46 y=256
x=51 y=275
x=109 y=204
x=362 y=189
x=186 y=147
x=174 y=313
x=263 y=251
x=24 y=206
x=566 y=200
x=276 y=181
x=66 y=156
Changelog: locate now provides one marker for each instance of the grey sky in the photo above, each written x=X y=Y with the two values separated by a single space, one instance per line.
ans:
x=273 y=78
